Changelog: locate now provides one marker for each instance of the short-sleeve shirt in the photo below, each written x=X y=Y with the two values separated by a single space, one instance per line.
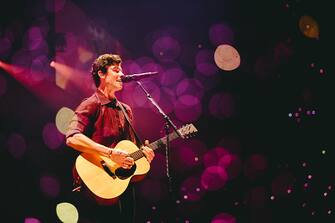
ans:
x=102 y=120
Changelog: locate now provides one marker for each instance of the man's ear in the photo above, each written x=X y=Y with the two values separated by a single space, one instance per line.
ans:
x=101 y=75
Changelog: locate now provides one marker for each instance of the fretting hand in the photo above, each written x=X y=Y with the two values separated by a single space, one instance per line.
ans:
x=148 y=152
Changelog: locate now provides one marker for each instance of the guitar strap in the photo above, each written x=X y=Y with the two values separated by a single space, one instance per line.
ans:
x=138 y=140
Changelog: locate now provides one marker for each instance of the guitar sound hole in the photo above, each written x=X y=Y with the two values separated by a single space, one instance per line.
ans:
x=125 y=173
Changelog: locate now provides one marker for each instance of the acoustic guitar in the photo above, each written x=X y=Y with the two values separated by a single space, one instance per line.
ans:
x=106 y=179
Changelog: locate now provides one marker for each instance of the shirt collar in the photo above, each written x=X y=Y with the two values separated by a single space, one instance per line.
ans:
x=103 y=99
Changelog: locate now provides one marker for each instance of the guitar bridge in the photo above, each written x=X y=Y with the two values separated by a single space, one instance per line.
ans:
x=106 y=168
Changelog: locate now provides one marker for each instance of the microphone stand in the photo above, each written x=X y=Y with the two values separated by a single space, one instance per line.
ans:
x=168 y=124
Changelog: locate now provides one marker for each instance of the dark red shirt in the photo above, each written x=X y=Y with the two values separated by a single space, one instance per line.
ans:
x=102 y=120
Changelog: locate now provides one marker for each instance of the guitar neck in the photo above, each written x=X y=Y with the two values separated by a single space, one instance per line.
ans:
x=154 y=145
x=162 y=141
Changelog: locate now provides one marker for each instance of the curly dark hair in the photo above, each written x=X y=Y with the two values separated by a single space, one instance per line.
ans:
x=101 y=63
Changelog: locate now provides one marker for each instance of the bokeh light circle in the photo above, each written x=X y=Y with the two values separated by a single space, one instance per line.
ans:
x=214 y=178
x=67 y=212
x=221 y=33
x=232 y=164
x=131 y=67
x=309 y=27
x=227 y=57
x=62 y=120
x=171 y=76
x=223 y=218
x=213 y=156
x=31 y=220
x=188 y=108
x=166 y=48
x=51 y=136
x=50 y=186
x=205 y=63
x=190 y=86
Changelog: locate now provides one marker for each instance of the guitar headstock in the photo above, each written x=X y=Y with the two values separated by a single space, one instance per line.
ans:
x=187 y=131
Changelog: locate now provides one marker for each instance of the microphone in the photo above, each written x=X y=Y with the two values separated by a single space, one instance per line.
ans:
x=136 y=77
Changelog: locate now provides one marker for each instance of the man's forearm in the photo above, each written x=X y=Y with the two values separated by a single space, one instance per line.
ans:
x=82 y=143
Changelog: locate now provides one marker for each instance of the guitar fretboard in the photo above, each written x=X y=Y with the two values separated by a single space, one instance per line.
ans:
x=154 y=145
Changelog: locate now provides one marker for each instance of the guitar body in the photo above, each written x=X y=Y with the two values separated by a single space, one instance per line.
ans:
x=107 y=180
x=111 y=182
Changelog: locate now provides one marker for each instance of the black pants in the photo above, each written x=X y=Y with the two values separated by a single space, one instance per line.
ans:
x=91 y=211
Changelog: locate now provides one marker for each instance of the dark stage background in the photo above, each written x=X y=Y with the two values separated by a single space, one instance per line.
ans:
x=264 y=149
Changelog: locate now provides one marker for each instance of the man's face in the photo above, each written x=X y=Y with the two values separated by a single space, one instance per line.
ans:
x=113 y=77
